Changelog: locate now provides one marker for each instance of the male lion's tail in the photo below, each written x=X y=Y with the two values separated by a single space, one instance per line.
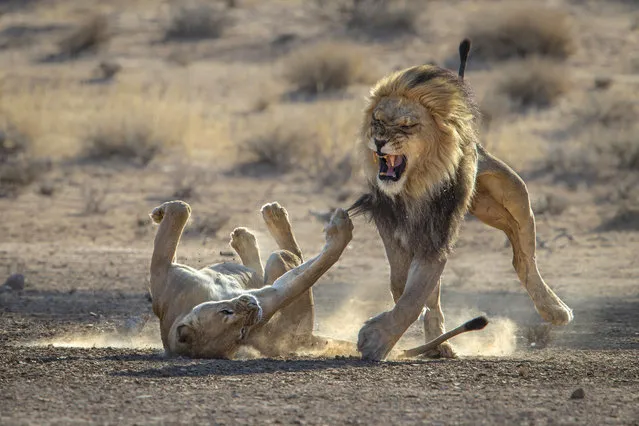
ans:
x=172 y=217
x=464 y=50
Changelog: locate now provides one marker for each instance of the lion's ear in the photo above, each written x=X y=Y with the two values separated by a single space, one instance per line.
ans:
x=185 y=334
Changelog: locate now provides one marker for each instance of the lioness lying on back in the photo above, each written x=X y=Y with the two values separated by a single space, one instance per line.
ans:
x=211 y=312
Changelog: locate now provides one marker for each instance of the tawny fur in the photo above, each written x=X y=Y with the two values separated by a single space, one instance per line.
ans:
x=428 y=115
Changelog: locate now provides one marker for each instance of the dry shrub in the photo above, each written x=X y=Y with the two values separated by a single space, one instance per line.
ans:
x=533 y=83
x=207 y=225
x=197 y=20
x=88 y=37
x=315 y=140
x=18 y=166
x=282 y=148
x=609 y=109
x=373 y=18
x=382 y=17
x=520 y=31
x=326 y=68
x=132 y=130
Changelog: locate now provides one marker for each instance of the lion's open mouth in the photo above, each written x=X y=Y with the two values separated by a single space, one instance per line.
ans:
x=391 y=167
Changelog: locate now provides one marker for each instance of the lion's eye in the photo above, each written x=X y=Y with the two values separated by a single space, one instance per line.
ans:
x=408 y=126
x=227 y=311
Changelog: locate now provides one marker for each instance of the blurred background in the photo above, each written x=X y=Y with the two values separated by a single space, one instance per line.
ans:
x=108 y=108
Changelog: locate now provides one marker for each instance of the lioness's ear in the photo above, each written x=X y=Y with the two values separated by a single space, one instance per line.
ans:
x=185 y=333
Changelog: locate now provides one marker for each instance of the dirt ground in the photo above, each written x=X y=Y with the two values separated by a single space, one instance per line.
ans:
x=74 y=344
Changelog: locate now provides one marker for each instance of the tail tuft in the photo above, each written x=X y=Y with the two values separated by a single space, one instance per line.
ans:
x=464 y=50
x=476 y=324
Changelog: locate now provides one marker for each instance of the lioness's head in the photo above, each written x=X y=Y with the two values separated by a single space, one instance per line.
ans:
x=416 y=125
x=215 y=329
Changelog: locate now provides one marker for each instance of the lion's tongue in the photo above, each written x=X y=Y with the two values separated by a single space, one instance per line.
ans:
x=393 y=161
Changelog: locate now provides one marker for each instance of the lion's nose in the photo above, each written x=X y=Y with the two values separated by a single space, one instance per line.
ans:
x=379 y=143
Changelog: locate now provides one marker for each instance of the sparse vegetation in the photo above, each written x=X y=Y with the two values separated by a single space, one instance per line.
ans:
x=326 y=68
x=533 y=83
x=18 y=166
x=93 y=197
x=373 y=18
x=281 y=148
x=520 y=31
x=88 y=37
x=197 y=20
x=129 y=141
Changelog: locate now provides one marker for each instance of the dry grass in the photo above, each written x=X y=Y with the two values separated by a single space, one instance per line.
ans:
x=18 y=165
x=533 y=83
x=327 y=67
x=315 y=139
x=373 y=18
x=519 y=31
x=90 y=36
x=196 y=21
x=281 y=148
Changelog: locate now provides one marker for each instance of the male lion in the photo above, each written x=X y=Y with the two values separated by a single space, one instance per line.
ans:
x=211 y=312
x=425 y=169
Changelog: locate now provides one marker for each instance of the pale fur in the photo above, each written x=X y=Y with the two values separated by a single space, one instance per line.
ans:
x=192 y=305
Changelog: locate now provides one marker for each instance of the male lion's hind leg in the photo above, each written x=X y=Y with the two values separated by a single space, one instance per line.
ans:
x=434 y=325
x=245 y=244
x=501 y=201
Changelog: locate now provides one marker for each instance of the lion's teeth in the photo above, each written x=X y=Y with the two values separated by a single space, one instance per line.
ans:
x=391 y=159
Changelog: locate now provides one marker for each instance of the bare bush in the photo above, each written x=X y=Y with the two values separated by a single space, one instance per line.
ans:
x=88 y=37
x=520 y=31
x=326 y=68
x=196 y=21
x=281 y=148
x=93 y=198
x=18 y=166
x=533 y=83
x=373 y=18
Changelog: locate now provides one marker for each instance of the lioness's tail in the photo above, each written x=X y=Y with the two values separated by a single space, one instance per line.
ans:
x=172 y=217
x=474 y=324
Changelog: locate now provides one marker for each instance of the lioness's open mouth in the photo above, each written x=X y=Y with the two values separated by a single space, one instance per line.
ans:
x=391 y=167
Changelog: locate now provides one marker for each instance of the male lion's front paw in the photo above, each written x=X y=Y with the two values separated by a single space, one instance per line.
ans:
x=242 y=241
x=377 y=337
x=339 y=231
x=444 y=350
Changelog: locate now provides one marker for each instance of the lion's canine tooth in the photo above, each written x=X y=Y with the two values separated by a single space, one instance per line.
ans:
x=392 y=160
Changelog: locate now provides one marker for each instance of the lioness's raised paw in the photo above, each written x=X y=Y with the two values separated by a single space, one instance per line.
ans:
x=275 y=215
x=339 y=231
x=377 y=337
x=243 y=241
x=170 y=207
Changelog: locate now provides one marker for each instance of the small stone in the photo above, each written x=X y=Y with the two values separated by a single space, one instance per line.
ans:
x=227 y=253
x=15 y=282
x=578 y=394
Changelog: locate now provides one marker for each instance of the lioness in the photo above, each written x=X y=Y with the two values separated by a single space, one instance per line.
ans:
x=211 y=312
x=425 y=170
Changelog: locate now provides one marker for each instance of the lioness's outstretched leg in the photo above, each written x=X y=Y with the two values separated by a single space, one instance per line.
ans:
x=501 y=201
x=245 y=244
x=298 y=318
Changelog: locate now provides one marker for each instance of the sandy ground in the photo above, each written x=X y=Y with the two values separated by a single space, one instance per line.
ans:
x=67 y=354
